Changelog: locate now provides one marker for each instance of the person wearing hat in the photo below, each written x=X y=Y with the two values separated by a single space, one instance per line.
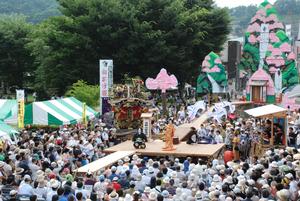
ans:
x=115 y=184
x=113 y=174
x=113 y=196
x=128 y=197
x=153 y=196
x=139 y=183
x=13 y=195
x=53 y=191
x=41 y=190
x=25 y=187
x=146 y=193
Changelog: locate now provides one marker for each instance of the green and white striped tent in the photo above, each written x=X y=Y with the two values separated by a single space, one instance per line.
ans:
x=6 y=129
x=56 y=112
x=8 y=111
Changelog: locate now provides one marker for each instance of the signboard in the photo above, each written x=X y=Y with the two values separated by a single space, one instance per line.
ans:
x=106 y=83
x=21 y=107
x=103 y=78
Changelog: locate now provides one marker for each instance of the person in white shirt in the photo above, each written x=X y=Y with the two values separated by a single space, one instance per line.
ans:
x=52 y=191
x=218 y=137
x=41 y=190
x=85 y=193
x=105 y=136
x=25 y=188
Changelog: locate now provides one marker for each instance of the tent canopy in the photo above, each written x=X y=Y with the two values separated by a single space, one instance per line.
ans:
x=8 y=111
x=267 y=111
x=56 y=112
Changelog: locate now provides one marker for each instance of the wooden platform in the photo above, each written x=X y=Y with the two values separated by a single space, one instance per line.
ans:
x=105 y=161
x=182 y=150
x=183 y=129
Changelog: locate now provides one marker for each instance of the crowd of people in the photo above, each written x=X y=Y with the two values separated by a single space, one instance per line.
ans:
x=42 y=165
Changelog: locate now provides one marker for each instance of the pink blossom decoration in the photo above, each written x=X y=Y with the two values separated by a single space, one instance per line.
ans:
x=276 y=52
x=268 y=6
x=261 y=12
x=273 y=70
x=273 y=38
x=270 y=48
x=218 y=61
x=215 y=69
x=270 y=60
x=278 y=25
x=205 y=63
x=279 y=61
x=252 y=39
x=285 y=47
x=163 y=81
x=271 y=18
x=292 y=56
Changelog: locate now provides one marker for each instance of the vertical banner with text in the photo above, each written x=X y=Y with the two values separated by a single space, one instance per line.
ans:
x=106 y=82
x=84 y=119
x=21 y=107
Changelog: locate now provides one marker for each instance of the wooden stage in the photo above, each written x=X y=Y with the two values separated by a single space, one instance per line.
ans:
x=182 y=150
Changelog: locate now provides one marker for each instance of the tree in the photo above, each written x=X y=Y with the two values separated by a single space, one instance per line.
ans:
x=141 y=36
x=16 y=63
x=86 y=93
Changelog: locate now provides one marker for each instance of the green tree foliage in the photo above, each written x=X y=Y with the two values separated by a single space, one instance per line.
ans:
x=35 y=10
x=86 y=93
x=141 y=36
x=16 y=63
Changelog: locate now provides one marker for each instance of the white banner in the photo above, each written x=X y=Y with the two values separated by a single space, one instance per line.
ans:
x=104 y=85
x=20 y=95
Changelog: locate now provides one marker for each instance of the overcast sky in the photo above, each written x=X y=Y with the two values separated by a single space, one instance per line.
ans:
x=235 y=3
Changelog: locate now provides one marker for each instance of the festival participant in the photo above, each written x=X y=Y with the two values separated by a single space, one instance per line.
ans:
x=169 y=134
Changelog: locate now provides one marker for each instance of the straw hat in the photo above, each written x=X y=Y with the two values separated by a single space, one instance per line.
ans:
x=113 y=196
x=283 y=195
x=19 y=171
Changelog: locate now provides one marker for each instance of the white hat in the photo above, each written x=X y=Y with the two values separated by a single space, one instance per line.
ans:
x=152 y=196
x=128 y=197
x=289 y=176
x=55 y=184
x=113 y=168
x=173 y=174
x=13 y=192
x=216 y=178
x=147 y=189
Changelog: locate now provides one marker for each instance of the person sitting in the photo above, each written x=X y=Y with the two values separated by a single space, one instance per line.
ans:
x=192 y=136
x=139 y=139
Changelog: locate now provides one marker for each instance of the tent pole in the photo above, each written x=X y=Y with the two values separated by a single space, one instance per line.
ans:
x=272 y=131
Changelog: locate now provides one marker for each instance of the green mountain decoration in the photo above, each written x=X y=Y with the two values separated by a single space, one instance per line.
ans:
x=213 y=76
x=279 y=56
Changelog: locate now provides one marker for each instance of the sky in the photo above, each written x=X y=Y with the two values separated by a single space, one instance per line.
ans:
x=235 y=3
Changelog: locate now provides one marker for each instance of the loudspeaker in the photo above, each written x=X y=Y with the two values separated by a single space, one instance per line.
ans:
x=234 y=58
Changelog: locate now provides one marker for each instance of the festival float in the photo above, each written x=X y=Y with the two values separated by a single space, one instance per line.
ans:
x=213 y=76
x=129 y=102
x=267 y=66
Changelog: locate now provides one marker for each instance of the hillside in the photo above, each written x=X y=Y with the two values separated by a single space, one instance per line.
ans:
x=35 y=10
x=287 y=9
